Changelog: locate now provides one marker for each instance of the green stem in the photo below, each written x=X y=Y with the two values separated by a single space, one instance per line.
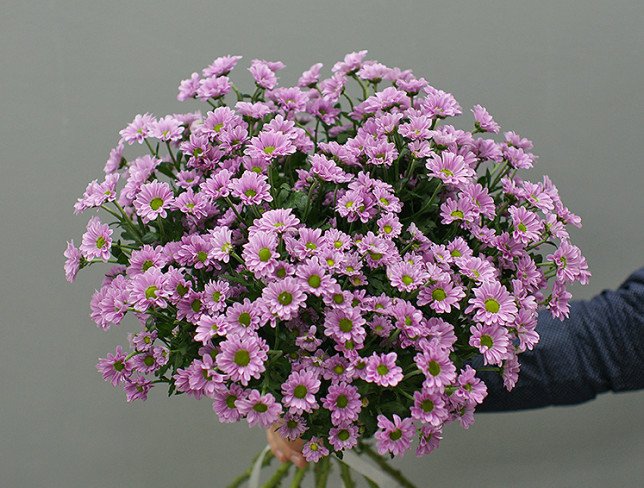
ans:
x=299 y=476
x=147 y=143
x=239 y=217
x=128 y=221
x=345 y=475
x=277 y=477
x=323 y=468
x=237 y=482
x=308 y=200
x=394 y=473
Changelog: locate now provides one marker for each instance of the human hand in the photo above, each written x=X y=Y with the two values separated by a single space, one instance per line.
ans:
x=285 y=450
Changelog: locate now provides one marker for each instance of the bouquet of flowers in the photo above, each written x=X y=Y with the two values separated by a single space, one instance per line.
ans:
x=331 y=259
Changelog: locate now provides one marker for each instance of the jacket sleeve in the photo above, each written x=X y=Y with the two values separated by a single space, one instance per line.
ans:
x=599 y=348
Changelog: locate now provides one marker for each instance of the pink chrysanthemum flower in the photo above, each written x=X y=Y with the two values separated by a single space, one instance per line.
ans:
x=346 y=324
x=292 y=427
x=97 y=240
x=260 y=253
x=225 y=403
x=405 y=276
x=214 y=87
x=209 y=327
x=72 y=262
x=436 y=365
x=298 y=392
x=313 y=276
x=343 y=437
x=221 y=244
x=571 y=265
x=148 y=290
x=115 y=368
x=492 y=304
x=442 y=296
x=314 y=450
x=429 y=408
x=343 y=401
x=492 y=341
x=260 y=409
x=429 y=440
x=269 y=145
x=138 y=129
x=484 y=121
x=527 y=225
x=394 y=436
x=243 y=357
x=145 y=258
x=470 y=388
x=251 y=188
x=382 y=370
x=167 y=129
x=137 y=388
x=449 y=168
x=283 y=298
x=153 y=200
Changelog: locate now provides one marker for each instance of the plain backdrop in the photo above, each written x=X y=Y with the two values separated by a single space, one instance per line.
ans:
x=567 y=74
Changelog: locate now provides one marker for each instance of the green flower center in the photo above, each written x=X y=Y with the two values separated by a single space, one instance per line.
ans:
x=457 y=213
x=196 y=305
x=119 y=366
x=250 y=193
x=337 y=244
x=264 y=254
x=456 y=253
x=491 y=305
x=291 y=424
x=439 y=294
x=269 y=149
x=148 y=361
x=427 y=406
x=242 y=357
x=281 y=273
x=260 y=407
x=313 y=447
x=314 y=281
x=407 y=280
x=388 y=229
x=202 y=256
x=147 y=265
x=522 y=227
x=230 y=401
x=395 y=435
x=342 y=401
x=216 y=296
x=218 y=127
x=343 y=435
x=434 y=368
x=155 y=203
x=100 y=242
x=244 y=319
x=300 y=391
x=181 y=290
x=285 y=298
x=345 y=325
x=151 y=292
x=338 y=298
x=338 y=369
x=382 y=369
x=311 y=245
x=487 y=341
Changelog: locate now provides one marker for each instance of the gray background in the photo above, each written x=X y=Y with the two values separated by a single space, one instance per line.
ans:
x=567 y=74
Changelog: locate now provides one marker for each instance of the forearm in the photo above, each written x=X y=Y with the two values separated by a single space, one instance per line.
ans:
x=599 y=348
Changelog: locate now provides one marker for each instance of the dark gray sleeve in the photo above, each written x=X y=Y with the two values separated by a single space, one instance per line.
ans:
x=599 y=348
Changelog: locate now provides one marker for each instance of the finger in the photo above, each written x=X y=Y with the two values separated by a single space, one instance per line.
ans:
x=298 y=460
